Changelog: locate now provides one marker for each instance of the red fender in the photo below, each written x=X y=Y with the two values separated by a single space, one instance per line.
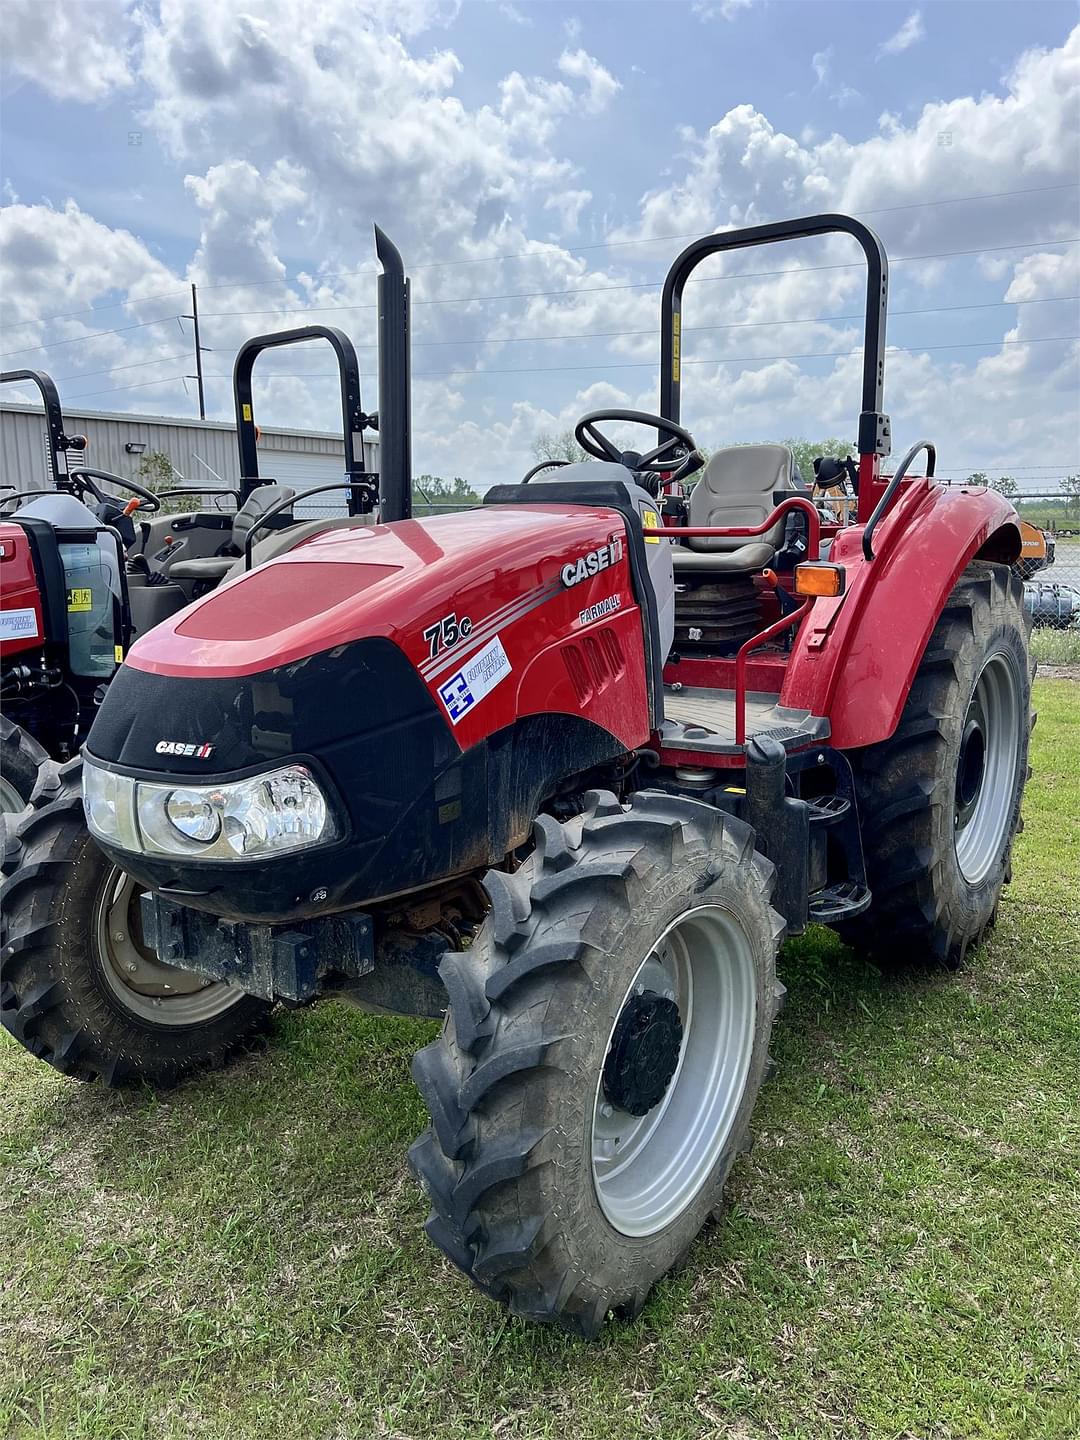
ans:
x=855 y=658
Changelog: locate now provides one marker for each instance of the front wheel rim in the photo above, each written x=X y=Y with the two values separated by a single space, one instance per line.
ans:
x=648 y=1169
x=986 y=770
x=158 y=994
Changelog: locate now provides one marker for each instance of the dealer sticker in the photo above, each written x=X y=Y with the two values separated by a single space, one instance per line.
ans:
x=477 y=678
x=18 y=625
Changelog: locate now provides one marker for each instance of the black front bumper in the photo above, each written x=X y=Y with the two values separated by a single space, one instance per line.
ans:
x=295 y=963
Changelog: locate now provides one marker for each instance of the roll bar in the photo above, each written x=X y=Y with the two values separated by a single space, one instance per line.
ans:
x=354 y=422
x=873 y=424
x=58 y=443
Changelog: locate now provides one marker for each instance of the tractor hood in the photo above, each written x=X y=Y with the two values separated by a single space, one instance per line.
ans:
x=386 y=580
x=433 y=679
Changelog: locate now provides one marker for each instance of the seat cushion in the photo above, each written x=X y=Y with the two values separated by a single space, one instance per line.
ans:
x=207 y=567
x=747 y=559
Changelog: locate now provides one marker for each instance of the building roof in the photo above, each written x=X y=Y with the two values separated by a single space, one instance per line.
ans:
x=129 y=417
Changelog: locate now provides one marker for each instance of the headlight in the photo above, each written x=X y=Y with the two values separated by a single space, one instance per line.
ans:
x=109 y=802
x=261 y=816
x=193 y=814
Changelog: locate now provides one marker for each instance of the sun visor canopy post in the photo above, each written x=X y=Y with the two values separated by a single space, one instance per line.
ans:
x=354 y=421
x=873 y=423
x=395 y=419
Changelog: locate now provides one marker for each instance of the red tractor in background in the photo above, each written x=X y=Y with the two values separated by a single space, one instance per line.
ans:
x=83 y=574
x=566 y=775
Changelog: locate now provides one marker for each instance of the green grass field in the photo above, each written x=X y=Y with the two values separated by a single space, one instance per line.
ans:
x=1056 y=647
x=901 y=1257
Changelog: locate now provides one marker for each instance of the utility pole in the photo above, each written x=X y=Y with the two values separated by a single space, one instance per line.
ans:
x=198 y=376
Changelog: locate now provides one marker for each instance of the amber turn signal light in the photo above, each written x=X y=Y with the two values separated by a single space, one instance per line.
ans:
x=817 y=577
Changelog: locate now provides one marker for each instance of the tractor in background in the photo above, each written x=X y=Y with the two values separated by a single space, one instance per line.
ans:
x=85 y=573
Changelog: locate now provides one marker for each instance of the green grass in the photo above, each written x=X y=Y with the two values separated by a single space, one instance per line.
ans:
x=1056 y=647
x=244 y=1258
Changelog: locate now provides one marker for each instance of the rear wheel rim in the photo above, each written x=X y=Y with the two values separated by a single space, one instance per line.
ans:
x=158 y=994
x=986 y=770
x=647 y=1170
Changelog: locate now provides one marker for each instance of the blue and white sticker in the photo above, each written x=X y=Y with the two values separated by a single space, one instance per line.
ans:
x=463 y=691
x=18 y=625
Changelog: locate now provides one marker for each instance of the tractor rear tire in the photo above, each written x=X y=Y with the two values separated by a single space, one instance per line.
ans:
x=940 y=799
x=21 y=759
x=621 y=992
x=78 y=989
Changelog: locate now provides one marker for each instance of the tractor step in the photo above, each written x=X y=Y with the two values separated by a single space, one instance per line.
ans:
x=828 y=809
x=704 y=720
x=838 y=902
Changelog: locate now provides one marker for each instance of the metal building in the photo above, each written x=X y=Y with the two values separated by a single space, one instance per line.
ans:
x=199 y=451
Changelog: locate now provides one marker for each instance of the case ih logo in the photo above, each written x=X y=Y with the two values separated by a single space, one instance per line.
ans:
x=591 y=564
x=178 y=747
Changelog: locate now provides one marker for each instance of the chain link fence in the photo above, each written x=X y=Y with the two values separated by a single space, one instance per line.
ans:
x=1050 y=569
x=1052 y=599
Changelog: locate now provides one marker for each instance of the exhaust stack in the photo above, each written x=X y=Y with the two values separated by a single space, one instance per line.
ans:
x=395 y=385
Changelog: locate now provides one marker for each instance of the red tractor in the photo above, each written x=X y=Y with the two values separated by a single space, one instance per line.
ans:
x=85 y=572
x=566 y=776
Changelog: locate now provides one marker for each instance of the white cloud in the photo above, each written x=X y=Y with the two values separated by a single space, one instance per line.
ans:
x=512 y=13
x=722 y=9
x=821 y=64
x=75 y=52
x=601 y=85
x=846 y=95
x=568 y=204
x=910 y=32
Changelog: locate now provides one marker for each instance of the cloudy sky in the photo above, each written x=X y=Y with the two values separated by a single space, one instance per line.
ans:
x=539 y=165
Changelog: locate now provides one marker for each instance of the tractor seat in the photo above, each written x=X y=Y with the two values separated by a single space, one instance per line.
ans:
x=213 y=568
x=736 y=489
x=279 y=542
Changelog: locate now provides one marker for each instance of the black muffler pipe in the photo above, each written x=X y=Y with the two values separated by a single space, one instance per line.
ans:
x=395 y=385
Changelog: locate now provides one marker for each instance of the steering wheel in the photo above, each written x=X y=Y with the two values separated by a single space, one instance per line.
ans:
x=653 y=462
x=544 y=465
x=87 y=479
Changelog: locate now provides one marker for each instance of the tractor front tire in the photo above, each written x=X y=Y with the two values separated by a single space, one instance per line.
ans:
x=940 y=799
x=606 y=1038
x=78 y=988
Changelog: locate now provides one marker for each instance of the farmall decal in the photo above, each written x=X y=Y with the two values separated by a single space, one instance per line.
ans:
x=590 y=564
x=607 y=606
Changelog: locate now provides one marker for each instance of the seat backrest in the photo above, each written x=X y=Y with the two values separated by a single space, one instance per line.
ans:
x=277 y=542
x=736 y=488
x=258 y=502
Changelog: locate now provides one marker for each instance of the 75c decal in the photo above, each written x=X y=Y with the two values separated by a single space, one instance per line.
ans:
x=446 y=632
